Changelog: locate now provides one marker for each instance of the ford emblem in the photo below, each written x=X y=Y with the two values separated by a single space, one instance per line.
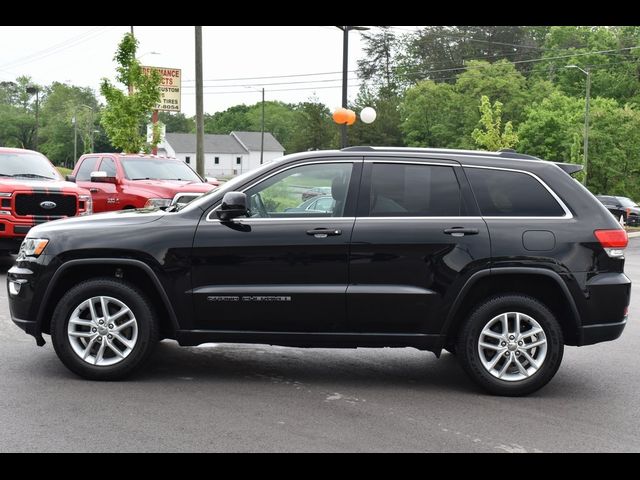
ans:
x=47 y=205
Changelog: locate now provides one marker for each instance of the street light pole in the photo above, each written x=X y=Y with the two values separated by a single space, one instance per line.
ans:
x=345 y=70
x=587 y=72
x=199 y=105
x=262 y=131
x=31 y=89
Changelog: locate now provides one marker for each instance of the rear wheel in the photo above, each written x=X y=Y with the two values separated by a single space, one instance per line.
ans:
x=511 y=345
x=103 y=329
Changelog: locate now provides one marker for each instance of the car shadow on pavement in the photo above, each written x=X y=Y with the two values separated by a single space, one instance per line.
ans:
x=364 y=367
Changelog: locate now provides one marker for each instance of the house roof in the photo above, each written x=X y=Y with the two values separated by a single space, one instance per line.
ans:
x=251 y=140
x=213 y=143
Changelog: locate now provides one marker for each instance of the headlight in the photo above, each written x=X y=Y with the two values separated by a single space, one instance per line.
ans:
x=158 y=202
x=88 y=204
x=32 y=247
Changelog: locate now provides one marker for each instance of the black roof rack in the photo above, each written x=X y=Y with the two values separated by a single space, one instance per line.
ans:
x=504 y=153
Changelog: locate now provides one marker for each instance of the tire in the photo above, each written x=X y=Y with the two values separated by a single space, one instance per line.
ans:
x=121 y=298
x=514 y=381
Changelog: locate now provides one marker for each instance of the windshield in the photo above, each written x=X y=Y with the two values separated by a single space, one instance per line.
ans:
x=139 y=168
x=627 y=202
x=27 y=165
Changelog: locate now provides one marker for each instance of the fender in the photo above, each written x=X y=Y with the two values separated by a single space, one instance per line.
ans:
x=109 y=261
x=511 y=270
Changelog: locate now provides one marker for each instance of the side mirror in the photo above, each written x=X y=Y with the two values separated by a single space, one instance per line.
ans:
x=70 y=178
x=101 y=177
x=213 y=181
x=234 y=204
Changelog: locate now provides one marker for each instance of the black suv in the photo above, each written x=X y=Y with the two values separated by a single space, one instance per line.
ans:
x=499 y=258
x=622 y=208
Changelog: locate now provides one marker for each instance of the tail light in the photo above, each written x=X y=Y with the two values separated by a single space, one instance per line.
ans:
x=613 y=241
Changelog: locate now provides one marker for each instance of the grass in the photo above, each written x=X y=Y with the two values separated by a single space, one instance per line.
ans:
x=64 y=171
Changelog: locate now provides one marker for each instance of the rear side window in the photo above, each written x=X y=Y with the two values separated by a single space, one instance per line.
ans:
x=511 y=194
x=408 y=190
x=108 y=165
x=89 y=165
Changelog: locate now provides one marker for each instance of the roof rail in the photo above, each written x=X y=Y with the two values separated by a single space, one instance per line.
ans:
x=504 y=153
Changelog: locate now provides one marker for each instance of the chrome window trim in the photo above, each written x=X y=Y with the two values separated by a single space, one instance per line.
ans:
x=186 y=194
x=250 y=220
x=567 y=213
x=289 y=167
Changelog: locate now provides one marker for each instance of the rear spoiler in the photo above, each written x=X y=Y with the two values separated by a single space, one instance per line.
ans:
x=570 y=168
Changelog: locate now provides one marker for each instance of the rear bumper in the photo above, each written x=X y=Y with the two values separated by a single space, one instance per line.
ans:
x=602 y=333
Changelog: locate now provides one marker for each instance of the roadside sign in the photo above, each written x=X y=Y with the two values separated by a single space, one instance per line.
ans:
x=170 y=87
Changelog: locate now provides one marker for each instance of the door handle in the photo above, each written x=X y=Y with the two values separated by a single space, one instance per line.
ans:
x=94 y=190
x=324 y=232
x=461 y=231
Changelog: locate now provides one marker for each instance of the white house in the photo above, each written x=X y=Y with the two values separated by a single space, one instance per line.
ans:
x=224 y=155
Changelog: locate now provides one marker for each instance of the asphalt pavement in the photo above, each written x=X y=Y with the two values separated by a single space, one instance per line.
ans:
x=257 y=398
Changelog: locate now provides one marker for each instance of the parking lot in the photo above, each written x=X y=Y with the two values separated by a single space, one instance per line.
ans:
x=261 y=398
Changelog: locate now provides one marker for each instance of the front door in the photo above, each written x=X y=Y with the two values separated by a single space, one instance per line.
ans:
x=285 y=267
x=105 y=195
x=417 y=235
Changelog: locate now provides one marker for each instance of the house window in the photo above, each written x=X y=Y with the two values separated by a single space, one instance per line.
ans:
x=238 y=160
x=216 y=160
x=187 y=159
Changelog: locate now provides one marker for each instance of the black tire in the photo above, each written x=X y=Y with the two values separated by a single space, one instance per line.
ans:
x=467 y=344
x=136 y=301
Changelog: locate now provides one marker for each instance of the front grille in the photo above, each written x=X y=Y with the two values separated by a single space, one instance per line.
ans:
x=30 y=204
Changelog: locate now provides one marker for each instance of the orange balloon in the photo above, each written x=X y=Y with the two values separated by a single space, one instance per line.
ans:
x=351 y=117
x=340 y=116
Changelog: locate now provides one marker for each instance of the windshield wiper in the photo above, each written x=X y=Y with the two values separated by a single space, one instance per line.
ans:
x=31 y=175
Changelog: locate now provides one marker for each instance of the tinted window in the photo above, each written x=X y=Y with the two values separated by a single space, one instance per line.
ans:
x=413 y=191
x=109 y=166
x=511 y=194
x=281 y=196
x=84 y=172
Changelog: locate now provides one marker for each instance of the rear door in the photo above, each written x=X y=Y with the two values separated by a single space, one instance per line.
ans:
x=417 y=238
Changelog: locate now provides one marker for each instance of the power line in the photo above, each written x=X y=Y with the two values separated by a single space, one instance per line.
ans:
x=274 y=90
x=274 y=83
x=270 y=76
x=59 y=47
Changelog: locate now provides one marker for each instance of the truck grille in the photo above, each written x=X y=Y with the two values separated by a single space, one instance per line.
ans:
x=30 y=204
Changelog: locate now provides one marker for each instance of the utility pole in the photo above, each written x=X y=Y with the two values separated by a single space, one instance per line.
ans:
x=586 y=128
x=262 y=131
x=75 y=137
x=345 y=70
x=199 y=105
x=587 y=72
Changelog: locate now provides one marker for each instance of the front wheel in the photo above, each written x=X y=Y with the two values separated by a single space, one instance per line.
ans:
x=511 y=345
x=103 y=329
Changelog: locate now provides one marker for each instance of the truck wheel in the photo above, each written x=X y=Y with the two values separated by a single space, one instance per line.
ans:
x=511 y=345
x=104 y=329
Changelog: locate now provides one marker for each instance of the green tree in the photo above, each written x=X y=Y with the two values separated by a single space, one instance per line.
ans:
x=281 y=119
x=379 y=64
x=491 y=135
x=232 y=119
x=62 y=104
x=125 y=115
x=314 y=130
x=177 y=122
x=385 y=130
x=430 y=116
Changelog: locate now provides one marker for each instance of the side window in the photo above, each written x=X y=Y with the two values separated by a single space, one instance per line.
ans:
x=511 y=194
x=108 y=165
x=283 y=195
x=89 y=165
x=408 y=190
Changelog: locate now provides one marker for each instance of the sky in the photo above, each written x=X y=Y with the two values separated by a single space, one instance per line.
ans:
x=233 y=56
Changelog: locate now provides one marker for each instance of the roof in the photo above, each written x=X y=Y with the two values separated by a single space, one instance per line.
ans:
x=252 y=141
x=213 y=143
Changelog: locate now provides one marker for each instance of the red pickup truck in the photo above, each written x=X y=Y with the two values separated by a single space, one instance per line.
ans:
x=32 y=191
x=119 y=181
